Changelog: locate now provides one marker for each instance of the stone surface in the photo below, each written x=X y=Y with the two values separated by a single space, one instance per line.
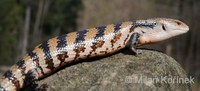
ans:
x=119 y=72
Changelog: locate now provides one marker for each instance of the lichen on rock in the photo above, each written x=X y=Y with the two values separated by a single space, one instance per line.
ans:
x=120 y=72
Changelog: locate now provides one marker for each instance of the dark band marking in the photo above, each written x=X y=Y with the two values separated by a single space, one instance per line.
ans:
x=62 y=57
x=103 y=52
x=115 y=39
x=133 y=27
x=48 y=59
x=117 y=34
x=8 y=74
x=99 y=35
x=150 y=25
x=79 y=43
x=98 y=39
x=30 y=78
x=35 y=58
x=45 y=47
x=81 y=36
x=50 y=64
x=117 y=28
x=78 y=50
x=62 y=42
x=16 y=83
x=33 y=55
x=125 y=41
x=95 y=46
x=100 y=32
x=119 y=47
x=21 y=65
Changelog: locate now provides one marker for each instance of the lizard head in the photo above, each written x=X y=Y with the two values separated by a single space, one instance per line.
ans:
x=159 y=29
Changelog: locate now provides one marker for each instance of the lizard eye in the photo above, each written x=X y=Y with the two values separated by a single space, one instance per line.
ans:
x=178 y=23
x=163 y=27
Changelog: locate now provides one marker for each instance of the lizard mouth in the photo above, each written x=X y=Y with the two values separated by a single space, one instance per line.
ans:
x=182 y=26
x=180 y=29
x=185 y=28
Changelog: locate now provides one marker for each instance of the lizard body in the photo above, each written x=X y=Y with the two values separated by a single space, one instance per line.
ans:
x=62 y=50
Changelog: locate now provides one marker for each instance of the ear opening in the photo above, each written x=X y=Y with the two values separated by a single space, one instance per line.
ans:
x=163 y=27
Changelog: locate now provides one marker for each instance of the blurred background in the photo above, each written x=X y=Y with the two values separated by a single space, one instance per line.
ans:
x=26 y=23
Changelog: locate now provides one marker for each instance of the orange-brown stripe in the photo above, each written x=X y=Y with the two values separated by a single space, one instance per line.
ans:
x=91 y=33
x=126 y=24
x=54 y=50
x=47 y=54
x=34 y=55
x=71 y=37
x=109 y=29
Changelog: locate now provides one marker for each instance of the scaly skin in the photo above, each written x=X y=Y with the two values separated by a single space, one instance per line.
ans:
x=62 y=50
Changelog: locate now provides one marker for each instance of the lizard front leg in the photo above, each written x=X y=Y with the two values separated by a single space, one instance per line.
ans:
x=133 y=42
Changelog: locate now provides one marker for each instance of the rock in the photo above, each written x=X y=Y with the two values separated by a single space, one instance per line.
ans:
x=120 y=72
